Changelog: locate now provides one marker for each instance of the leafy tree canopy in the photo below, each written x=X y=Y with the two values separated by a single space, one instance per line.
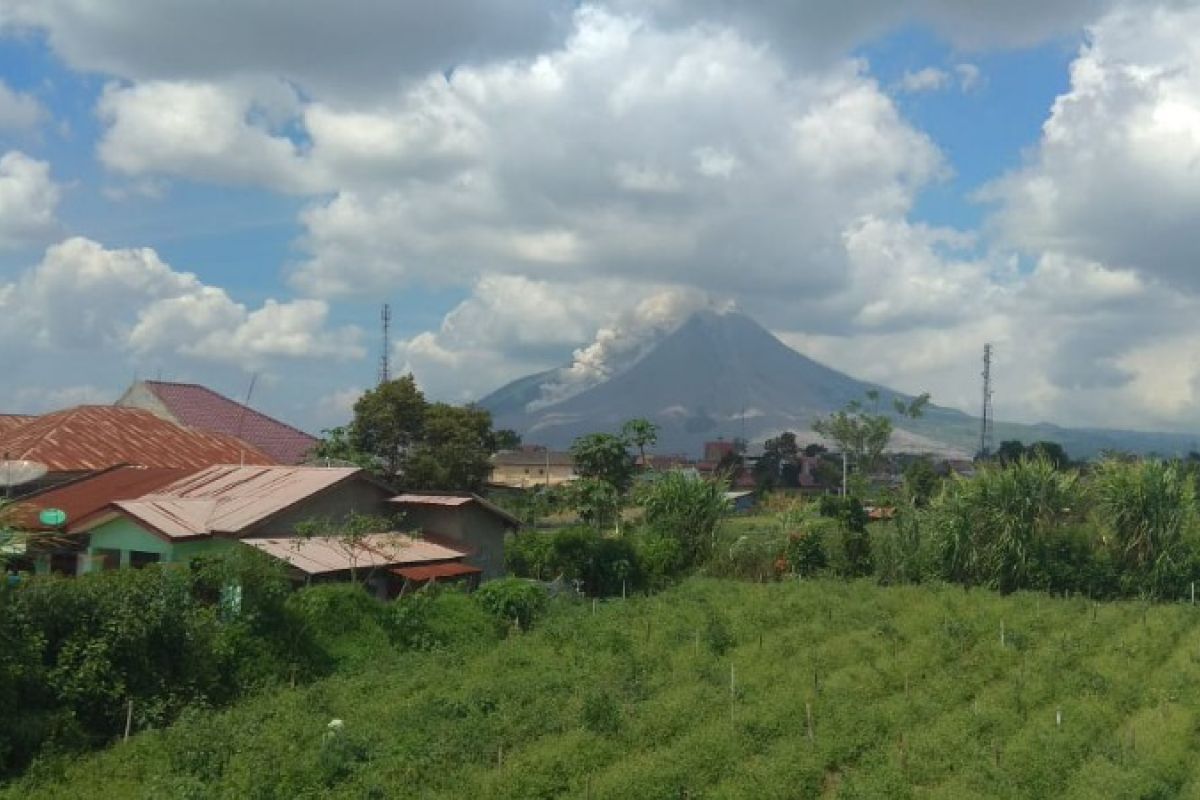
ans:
x=862 y=431
x=604 y=457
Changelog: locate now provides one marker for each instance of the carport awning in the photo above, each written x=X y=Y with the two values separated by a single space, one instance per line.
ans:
x=430 y=572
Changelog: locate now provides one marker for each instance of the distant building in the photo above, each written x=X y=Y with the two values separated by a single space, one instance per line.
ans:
x=201 y=408
x=741 y=502
x=532 y=466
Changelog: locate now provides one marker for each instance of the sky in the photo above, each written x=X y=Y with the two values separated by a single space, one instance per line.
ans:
x=212 y=192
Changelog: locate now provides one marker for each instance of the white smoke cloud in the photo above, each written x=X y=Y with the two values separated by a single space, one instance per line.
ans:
x=618 y=346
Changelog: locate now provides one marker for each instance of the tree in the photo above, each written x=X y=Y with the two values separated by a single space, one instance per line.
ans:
x=505 y=439
x=388 y=421
x=595 y=500
x=921 y=481
x=1051 y=451
x=337 y=445
x=779 y=454
x=641 y=433
x=421 y=445
x=453 y=450
x=862 y=432
x=604 y=457
x=1010 y=451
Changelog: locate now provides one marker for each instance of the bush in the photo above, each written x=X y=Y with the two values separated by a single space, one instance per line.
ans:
x=687 y=510
x=805 y=551
x=601 y=565
x=512 y=600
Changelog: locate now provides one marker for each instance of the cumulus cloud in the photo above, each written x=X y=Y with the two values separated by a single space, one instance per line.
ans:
x=624 y=151
x=1116 y=175
x=338 y=49
x=28 y=200
x=934 y=79
x=84 y=297
x=18 y=111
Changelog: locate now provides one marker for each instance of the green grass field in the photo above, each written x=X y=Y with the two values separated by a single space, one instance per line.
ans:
x=707 y=691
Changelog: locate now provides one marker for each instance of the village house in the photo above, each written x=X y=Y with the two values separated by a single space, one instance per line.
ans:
x=84 y=440
x=199 y=407
x=463 y=521
x=531 y=466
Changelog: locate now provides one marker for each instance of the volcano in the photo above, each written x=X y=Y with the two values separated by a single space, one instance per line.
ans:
x=722 y=375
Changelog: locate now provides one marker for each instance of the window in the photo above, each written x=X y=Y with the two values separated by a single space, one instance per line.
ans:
x=104 y=558
x=140 y=558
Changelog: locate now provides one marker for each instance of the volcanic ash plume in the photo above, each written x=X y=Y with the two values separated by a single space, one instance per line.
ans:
x=621 y=344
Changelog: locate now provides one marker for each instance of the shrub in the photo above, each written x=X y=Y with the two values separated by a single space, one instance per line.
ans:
x=687 y=510
x=512 y=599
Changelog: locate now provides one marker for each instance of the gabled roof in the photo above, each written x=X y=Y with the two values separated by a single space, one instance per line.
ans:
x=10 y=422
x=530 y=457
x=90 y=438
x=226 y=500
x=200 y=407
x=320 y=554
x=85 y=496
x=454 y=500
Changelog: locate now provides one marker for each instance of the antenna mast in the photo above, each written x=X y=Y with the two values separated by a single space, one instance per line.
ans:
x=985 y=428
x=385 y=367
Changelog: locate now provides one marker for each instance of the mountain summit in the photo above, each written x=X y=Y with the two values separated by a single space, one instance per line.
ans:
x=724 y=375
x=717 y=375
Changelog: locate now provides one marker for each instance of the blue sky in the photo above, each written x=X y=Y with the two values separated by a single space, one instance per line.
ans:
x=913 y=180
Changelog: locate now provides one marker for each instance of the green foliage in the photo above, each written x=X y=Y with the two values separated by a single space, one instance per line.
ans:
x=603 y=566
x=337 y=444
x=921 y=482
x=777 y=465
x=1148 y=513
x=597 y=501
x=513 y=600
x=424 y=445
x=641 y=433
x=604 y=457
x=910 y=691
x=862 y=432
x=805 y=551
x=992 y=528
x=685 y=509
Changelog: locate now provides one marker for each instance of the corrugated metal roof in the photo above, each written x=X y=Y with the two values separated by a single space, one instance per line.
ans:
x=320 y=554
x=85 y=496
x=89 y=438
x=454 y=500
x=533 y=458
x=228 y=499
x=427 y=572
x=200 y=407
x=10 y=422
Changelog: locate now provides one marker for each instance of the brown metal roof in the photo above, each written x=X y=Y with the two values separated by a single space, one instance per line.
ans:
x=229 y=499
x=88 y=438
x=427 y=572
x=320 y=554
x=454 y=500
x=10 y=422
x=533 y=458
x=85 y=496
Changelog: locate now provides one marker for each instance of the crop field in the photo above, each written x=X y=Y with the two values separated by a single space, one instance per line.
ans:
x=717 y=689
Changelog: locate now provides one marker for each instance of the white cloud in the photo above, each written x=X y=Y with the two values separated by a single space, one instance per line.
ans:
x=929 y=79
x=18 y=111
x=626 y=151
x=28 y=200
x=202 y=131
x=84 y=297
x=1116 y=175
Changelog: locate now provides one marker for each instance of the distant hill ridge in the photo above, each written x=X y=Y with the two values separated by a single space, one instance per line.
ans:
x=724 y=375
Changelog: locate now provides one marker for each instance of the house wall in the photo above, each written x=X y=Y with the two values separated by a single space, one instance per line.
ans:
x=476 y=528
x=528 y=475
x=356 y=495
x=125 y=535
x=139 y=396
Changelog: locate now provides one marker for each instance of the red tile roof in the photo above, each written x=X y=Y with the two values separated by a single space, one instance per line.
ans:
x=200 y=407
x=89 y=494
x=89 y=438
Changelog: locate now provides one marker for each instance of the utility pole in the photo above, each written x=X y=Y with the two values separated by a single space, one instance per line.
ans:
x=985 y=428
x=385 y=368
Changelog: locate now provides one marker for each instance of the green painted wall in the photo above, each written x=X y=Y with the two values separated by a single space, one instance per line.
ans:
x=126 y=535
